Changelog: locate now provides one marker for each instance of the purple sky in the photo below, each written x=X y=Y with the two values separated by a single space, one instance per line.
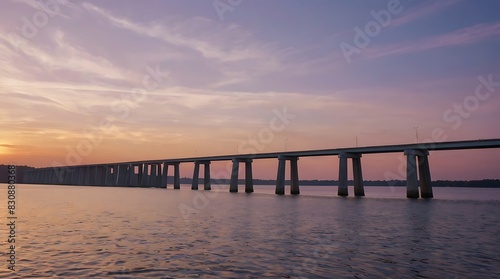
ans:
x=105 y=81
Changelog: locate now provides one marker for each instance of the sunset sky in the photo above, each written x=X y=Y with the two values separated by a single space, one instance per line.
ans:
x=107 y=81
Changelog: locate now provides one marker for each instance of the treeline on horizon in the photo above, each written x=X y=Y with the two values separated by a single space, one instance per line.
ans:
x=485 y=183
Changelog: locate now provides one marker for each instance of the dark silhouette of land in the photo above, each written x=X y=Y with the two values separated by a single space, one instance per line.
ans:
x=485 y=183
x=19 y=173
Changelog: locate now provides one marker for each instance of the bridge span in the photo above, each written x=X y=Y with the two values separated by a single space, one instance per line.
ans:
x=153 y=173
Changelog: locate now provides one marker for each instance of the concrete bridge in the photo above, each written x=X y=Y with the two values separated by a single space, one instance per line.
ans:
x=154 y=173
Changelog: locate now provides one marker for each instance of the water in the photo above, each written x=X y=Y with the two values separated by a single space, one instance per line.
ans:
x=82 y=232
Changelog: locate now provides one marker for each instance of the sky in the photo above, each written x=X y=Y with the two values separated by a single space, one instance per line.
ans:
x=85 y=82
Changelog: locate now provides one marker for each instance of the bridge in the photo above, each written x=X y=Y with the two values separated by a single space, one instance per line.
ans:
x=154 y=173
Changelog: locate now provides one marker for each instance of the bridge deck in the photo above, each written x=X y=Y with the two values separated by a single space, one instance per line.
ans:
x=432 y=146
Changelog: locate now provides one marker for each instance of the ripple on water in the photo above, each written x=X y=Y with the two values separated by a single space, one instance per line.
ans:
x=252 y=236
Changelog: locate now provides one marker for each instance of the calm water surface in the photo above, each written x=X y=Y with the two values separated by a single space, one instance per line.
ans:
x=82 y=232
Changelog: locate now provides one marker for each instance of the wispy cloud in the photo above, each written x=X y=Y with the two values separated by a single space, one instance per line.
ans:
x=63 y=56
x=465 y=36
x=176 y=35
x=419 y=12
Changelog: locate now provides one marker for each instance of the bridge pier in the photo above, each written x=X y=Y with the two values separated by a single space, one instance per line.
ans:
x=49 y=175
x=359 y=190
x=294 y=176
x=206 y=177
x=130 y=175
x=153 y=176
x=412 y=181
x=159 y=173
x=233 y=185
x=73 y=176
x=196 y=173
x=100 y=175
x=86 y=170
x=164 y=175
x=177 y=177
x=92 y=174
x=248 y=176
x=134 y=179
x=122 y=175
x=108 y=176
x=177 y=183
x=425 y=177
x=144 y=171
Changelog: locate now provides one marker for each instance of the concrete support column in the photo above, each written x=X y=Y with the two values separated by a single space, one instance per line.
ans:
x=233 y=184
x=425 y=176
x=44 y=176
x=280 y=179
x=107 y=175
x=93 y=174
x=158 y=175
x=57 y=175
x=164 y=176
x=140 y=170
x=34 y=176
x=54 y=176
x=60 y=175
x=87 y=175
x=116 y=171
x=122 y=175
x=294 y=176
x=99 y=175
x=248 y=176
x=196 y=173
x=359 y=189
x=342 y=188
x=411 y=175
x=131 y=175
x=80 y=176
x=145 y=175
x=68 y=175
x=153 y=175
x=49 y=176
x=206 y=177
x=177 y=176
x=137 y=176
x=71 y=176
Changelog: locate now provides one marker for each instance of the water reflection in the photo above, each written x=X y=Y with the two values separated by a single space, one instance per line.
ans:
x=119 y=232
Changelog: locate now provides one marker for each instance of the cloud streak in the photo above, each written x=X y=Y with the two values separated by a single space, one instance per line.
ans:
x=423 y=11
x=461 y=37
